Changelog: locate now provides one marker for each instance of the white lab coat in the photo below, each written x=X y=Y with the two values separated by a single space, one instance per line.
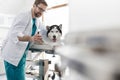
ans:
x=13 y=49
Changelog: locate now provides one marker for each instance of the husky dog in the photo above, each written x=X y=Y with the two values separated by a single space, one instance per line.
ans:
x=53 y=35
x=54 y=32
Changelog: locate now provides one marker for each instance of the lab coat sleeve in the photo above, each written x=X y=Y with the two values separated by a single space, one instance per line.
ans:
x=18 y=27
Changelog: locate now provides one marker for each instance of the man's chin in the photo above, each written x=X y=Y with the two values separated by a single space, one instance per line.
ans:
x=37 y=16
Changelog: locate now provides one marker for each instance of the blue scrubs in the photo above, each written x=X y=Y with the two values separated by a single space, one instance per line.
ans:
x=18 y=72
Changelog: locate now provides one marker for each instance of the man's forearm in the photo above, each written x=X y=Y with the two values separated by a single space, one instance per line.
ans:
x=24 y=38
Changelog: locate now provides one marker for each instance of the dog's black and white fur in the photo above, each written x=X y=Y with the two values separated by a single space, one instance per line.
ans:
x=54 y=34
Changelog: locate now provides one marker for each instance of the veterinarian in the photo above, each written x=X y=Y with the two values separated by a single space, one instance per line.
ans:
x=23 y=31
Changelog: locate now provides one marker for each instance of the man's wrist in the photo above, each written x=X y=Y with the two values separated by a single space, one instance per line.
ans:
x=31 y=39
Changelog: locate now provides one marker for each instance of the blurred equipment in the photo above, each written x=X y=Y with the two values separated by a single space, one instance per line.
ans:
x=92 y=55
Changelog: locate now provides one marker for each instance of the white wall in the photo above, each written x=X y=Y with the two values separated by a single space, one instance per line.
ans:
x=28 y=4
x=15 y=6
x=94 y=14
x=11 y=6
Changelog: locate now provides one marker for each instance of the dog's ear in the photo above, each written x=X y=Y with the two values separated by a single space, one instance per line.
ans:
x=47 y=27
x=60 y=26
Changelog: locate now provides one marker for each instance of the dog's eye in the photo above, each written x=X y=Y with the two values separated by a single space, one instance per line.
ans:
x=56 y=31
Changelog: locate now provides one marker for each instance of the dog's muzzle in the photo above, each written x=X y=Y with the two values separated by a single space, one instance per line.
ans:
x=54 y=39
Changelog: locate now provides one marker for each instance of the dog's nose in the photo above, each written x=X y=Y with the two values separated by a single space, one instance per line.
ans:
x=54 y=36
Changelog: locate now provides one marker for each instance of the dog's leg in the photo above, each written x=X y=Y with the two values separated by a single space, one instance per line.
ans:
x=53 y=77
x=57 y=69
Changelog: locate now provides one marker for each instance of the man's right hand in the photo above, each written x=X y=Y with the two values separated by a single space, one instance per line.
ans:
x=37 y=38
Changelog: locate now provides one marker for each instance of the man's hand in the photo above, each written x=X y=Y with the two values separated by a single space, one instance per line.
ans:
x=37 y=38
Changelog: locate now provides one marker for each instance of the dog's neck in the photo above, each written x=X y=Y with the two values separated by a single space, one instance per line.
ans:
x=51 y=43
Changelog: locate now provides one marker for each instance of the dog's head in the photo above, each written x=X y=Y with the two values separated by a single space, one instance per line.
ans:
x=54 y=32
